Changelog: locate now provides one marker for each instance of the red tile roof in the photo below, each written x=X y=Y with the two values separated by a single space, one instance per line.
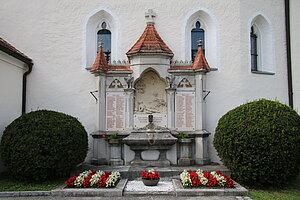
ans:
x=150 y=42
x=100 y=62
x=200 y=62
x=120 y=68
x=9 y=49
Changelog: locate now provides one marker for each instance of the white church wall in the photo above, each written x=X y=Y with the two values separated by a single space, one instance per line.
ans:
x=11 y=84
x=54 y=36
x=295 y=48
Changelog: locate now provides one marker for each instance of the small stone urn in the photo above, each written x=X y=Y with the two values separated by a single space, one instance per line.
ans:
x=184 y=152
x=150 y=177
x=115 y=152
x=150 y=182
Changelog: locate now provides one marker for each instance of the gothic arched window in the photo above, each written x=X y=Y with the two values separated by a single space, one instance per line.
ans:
x=104 y=35
x=197 y=34
x=254 y=50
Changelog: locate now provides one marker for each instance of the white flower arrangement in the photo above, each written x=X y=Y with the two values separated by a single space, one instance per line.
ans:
x=96 y=177
x=185 y=179
x=112 y=179
x=208 y=179
x=80 y=179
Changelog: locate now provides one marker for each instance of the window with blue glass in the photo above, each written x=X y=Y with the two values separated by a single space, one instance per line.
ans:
x=197 y=34
x=253 y=49
x=104 y=36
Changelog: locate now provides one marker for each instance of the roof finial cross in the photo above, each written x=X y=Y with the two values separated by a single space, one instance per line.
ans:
x=150 y=16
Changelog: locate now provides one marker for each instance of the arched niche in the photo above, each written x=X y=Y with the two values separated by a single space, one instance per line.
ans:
x=265 y=43
x=150 y=93
x=93 y=24
x=210 y=25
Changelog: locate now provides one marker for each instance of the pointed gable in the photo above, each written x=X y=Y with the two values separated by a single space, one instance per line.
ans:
x=200 y=61
x=150 y=42
x=100 y=63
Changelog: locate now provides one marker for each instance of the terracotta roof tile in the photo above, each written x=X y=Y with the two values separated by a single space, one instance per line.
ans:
x=120 y=68
x=100 y=62
x=180 y=67
x=200 y=61
x=150 y=42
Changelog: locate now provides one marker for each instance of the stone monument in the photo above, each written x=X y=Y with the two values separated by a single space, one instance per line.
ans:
x=147 y=100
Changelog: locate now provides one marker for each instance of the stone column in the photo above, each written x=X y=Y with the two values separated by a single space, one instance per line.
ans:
x=201 y=135
x=102 y=156
x=102 y=103
x=171 y=107
x=129 y=108
x=199 y=118
x=201 y=144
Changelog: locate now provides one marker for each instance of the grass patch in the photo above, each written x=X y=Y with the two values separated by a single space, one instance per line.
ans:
x=9 y=184
x=291 y=192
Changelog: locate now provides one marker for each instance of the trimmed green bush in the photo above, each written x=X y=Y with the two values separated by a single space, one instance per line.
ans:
x=260 y=143
x=43 y=144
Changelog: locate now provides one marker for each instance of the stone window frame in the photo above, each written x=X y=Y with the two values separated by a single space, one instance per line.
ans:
x=265 y=45
x=211 y=27
x=92 y=25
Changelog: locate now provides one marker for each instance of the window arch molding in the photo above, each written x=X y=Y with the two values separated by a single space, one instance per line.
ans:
x=211 y=26
x=265 y=45
x=92 y=25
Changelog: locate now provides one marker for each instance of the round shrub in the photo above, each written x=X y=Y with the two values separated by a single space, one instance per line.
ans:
x=43 y=144
x=260 y=143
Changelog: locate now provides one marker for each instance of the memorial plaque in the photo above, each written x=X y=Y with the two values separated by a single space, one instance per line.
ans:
x=185 y=111
x=141 y=120
x=115 y=111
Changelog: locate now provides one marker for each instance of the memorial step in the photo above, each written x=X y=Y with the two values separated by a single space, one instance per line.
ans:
x=131 y=172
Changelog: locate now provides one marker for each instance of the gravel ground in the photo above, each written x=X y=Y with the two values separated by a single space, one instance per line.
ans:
x=123 y=198
x=138 y=186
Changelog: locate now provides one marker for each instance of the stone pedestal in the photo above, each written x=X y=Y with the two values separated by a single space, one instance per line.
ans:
x=99 y=150
x=201 y=144
x=115 y=152
x=184 y=152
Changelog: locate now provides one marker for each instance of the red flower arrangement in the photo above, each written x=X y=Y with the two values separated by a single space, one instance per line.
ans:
x=150 y=174
x=208 y=179
x=93 y=178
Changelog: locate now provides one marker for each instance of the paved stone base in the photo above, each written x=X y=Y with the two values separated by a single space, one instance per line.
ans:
x=92 y=192
x=181 y=191
x=137 y=188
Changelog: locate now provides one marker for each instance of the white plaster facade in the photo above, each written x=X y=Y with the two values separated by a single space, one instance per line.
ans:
x=58 y=36
x=11 y=84
x=295 y=49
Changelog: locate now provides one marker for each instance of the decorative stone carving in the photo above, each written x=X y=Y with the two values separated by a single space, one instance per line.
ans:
x=150 y=94
x=129 y=82
x=184 y=83
x=171 y=81
x=115 y=84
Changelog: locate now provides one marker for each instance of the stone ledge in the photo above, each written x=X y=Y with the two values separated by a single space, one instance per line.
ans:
x=91 y=192
x=25 y=193
x=181 y=191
